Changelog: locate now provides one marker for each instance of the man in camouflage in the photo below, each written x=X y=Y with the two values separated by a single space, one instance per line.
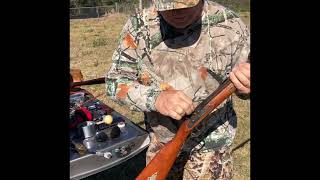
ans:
x=171 y=57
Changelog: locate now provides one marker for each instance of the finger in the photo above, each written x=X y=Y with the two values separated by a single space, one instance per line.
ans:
x=185 y=97
x=245 y=65
x=174 y=115
x=246 y=73
x=188 y=104
x=245 y=69
x=187 y=109
x=179 y=110
x=191 y=108
x=237 y=83
x=165 y=111
x=185 y=106
x=242 y=78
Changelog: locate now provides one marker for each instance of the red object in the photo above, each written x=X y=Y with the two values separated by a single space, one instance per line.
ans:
x=81 y=115
x=88 y=113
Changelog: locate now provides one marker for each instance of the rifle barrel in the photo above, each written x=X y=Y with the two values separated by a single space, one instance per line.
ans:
x=90 y=82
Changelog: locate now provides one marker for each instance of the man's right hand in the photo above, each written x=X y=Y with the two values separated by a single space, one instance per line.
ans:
x=174 y=103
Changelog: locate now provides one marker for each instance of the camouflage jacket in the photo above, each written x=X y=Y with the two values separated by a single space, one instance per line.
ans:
x=152 y=57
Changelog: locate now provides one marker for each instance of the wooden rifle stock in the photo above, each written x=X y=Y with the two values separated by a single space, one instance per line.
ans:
x=89 y=82
x=162 y=162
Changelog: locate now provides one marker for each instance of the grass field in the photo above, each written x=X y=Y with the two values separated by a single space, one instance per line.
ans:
x=92 y=42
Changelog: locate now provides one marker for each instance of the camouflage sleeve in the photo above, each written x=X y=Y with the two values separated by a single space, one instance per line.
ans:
x=230 y=39
x=243 y=53
x=123 y=83
x=242 y=48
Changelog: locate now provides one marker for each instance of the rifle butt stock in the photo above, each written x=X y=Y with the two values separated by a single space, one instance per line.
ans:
x=159 y=167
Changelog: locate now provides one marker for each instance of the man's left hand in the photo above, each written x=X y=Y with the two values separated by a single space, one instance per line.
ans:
x=240 y=77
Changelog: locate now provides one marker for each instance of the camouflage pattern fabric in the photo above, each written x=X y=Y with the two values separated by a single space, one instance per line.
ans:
x=197 y=165
x=152 y=57
x=164 y=5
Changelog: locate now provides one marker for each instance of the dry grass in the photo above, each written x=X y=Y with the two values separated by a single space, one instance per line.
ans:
x=242 y=155
x=92 y=42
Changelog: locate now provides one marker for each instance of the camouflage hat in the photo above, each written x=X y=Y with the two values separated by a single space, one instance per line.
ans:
x=164 y=5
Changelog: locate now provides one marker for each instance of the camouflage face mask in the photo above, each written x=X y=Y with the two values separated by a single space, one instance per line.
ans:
x=165 y=5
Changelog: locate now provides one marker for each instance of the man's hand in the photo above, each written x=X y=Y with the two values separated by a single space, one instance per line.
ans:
x=174 y=103
x=240 y=77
